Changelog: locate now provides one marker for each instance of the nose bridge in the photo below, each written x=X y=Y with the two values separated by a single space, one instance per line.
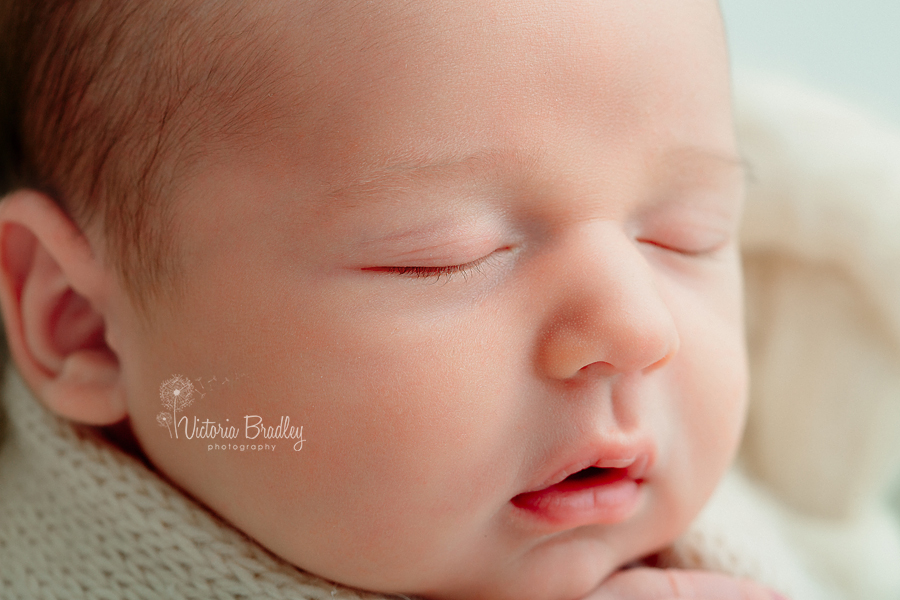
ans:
x=606 y=309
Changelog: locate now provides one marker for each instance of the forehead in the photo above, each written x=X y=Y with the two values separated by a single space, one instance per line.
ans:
x=392 y=100
x=417 y=83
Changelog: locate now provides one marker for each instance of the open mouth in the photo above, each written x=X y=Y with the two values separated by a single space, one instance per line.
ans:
x=591 y=495
x=586 y=478
x=595 y=476
x=589 y=473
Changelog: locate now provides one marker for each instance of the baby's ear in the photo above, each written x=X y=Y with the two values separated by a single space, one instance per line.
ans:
x=52 y=289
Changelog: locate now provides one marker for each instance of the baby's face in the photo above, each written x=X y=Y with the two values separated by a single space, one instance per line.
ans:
x=484 y=246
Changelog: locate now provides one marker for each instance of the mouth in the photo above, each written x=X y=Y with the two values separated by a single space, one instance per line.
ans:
x=590 y=477
x=595 y=494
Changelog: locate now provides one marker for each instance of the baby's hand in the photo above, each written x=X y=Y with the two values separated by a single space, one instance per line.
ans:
x=676 y=584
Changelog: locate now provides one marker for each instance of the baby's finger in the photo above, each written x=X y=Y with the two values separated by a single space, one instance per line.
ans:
x=677 y=584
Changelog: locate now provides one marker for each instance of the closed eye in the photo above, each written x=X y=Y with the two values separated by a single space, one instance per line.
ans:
x=443 y=271
x=685 y=249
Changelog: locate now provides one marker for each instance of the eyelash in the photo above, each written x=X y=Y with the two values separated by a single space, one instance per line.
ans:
x=706 y=252
x=436 y=273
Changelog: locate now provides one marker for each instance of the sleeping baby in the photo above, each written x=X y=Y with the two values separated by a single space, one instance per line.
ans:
x=437 y=298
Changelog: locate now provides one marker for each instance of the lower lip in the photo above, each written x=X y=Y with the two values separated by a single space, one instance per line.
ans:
x=602 y=499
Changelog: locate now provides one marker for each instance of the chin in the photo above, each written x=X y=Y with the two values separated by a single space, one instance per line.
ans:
x=566 y=569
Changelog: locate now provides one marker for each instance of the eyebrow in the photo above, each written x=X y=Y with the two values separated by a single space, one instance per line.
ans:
x=407 y=167
x=706 y=155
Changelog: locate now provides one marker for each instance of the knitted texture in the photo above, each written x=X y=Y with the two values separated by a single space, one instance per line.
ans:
x=80 y=519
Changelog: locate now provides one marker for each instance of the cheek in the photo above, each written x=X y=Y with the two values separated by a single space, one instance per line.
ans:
x=714 y=417
x=402 y=418
x=440 y=404
x=387 y=413
x=709 y=378
x=408 y=423
x=714 y=379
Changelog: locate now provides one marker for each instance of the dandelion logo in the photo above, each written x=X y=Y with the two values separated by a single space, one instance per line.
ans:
x=176 y=394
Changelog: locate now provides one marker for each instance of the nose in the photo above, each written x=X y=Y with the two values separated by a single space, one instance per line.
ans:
x=606 y=314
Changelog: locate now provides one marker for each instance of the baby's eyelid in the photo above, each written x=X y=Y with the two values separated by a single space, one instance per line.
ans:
x=705 y=250
x=419 y=271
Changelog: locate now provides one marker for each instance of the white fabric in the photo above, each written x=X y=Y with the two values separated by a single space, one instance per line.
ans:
x=81 y=519
x=821 y=242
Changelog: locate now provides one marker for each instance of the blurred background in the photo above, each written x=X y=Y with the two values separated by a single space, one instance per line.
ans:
x=848 y=47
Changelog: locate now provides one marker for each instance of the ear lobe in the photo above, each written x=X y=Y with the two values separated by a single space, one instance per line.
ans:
x=50 y=290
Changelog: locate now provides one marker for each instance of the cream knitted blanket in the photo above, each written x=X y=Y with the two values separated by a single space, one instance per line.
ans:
x=81 y=519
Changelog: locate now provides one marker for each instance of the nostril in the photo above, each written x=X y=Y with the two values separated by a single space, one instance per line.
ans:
x=598 y=369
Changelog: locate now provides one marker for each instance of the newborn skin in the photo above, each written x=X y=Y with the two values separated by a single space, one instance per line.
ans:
x=483 y=246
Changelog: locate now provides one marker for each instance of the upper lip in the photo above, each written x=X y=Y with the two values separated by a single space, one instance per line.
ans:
x=637 y=456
